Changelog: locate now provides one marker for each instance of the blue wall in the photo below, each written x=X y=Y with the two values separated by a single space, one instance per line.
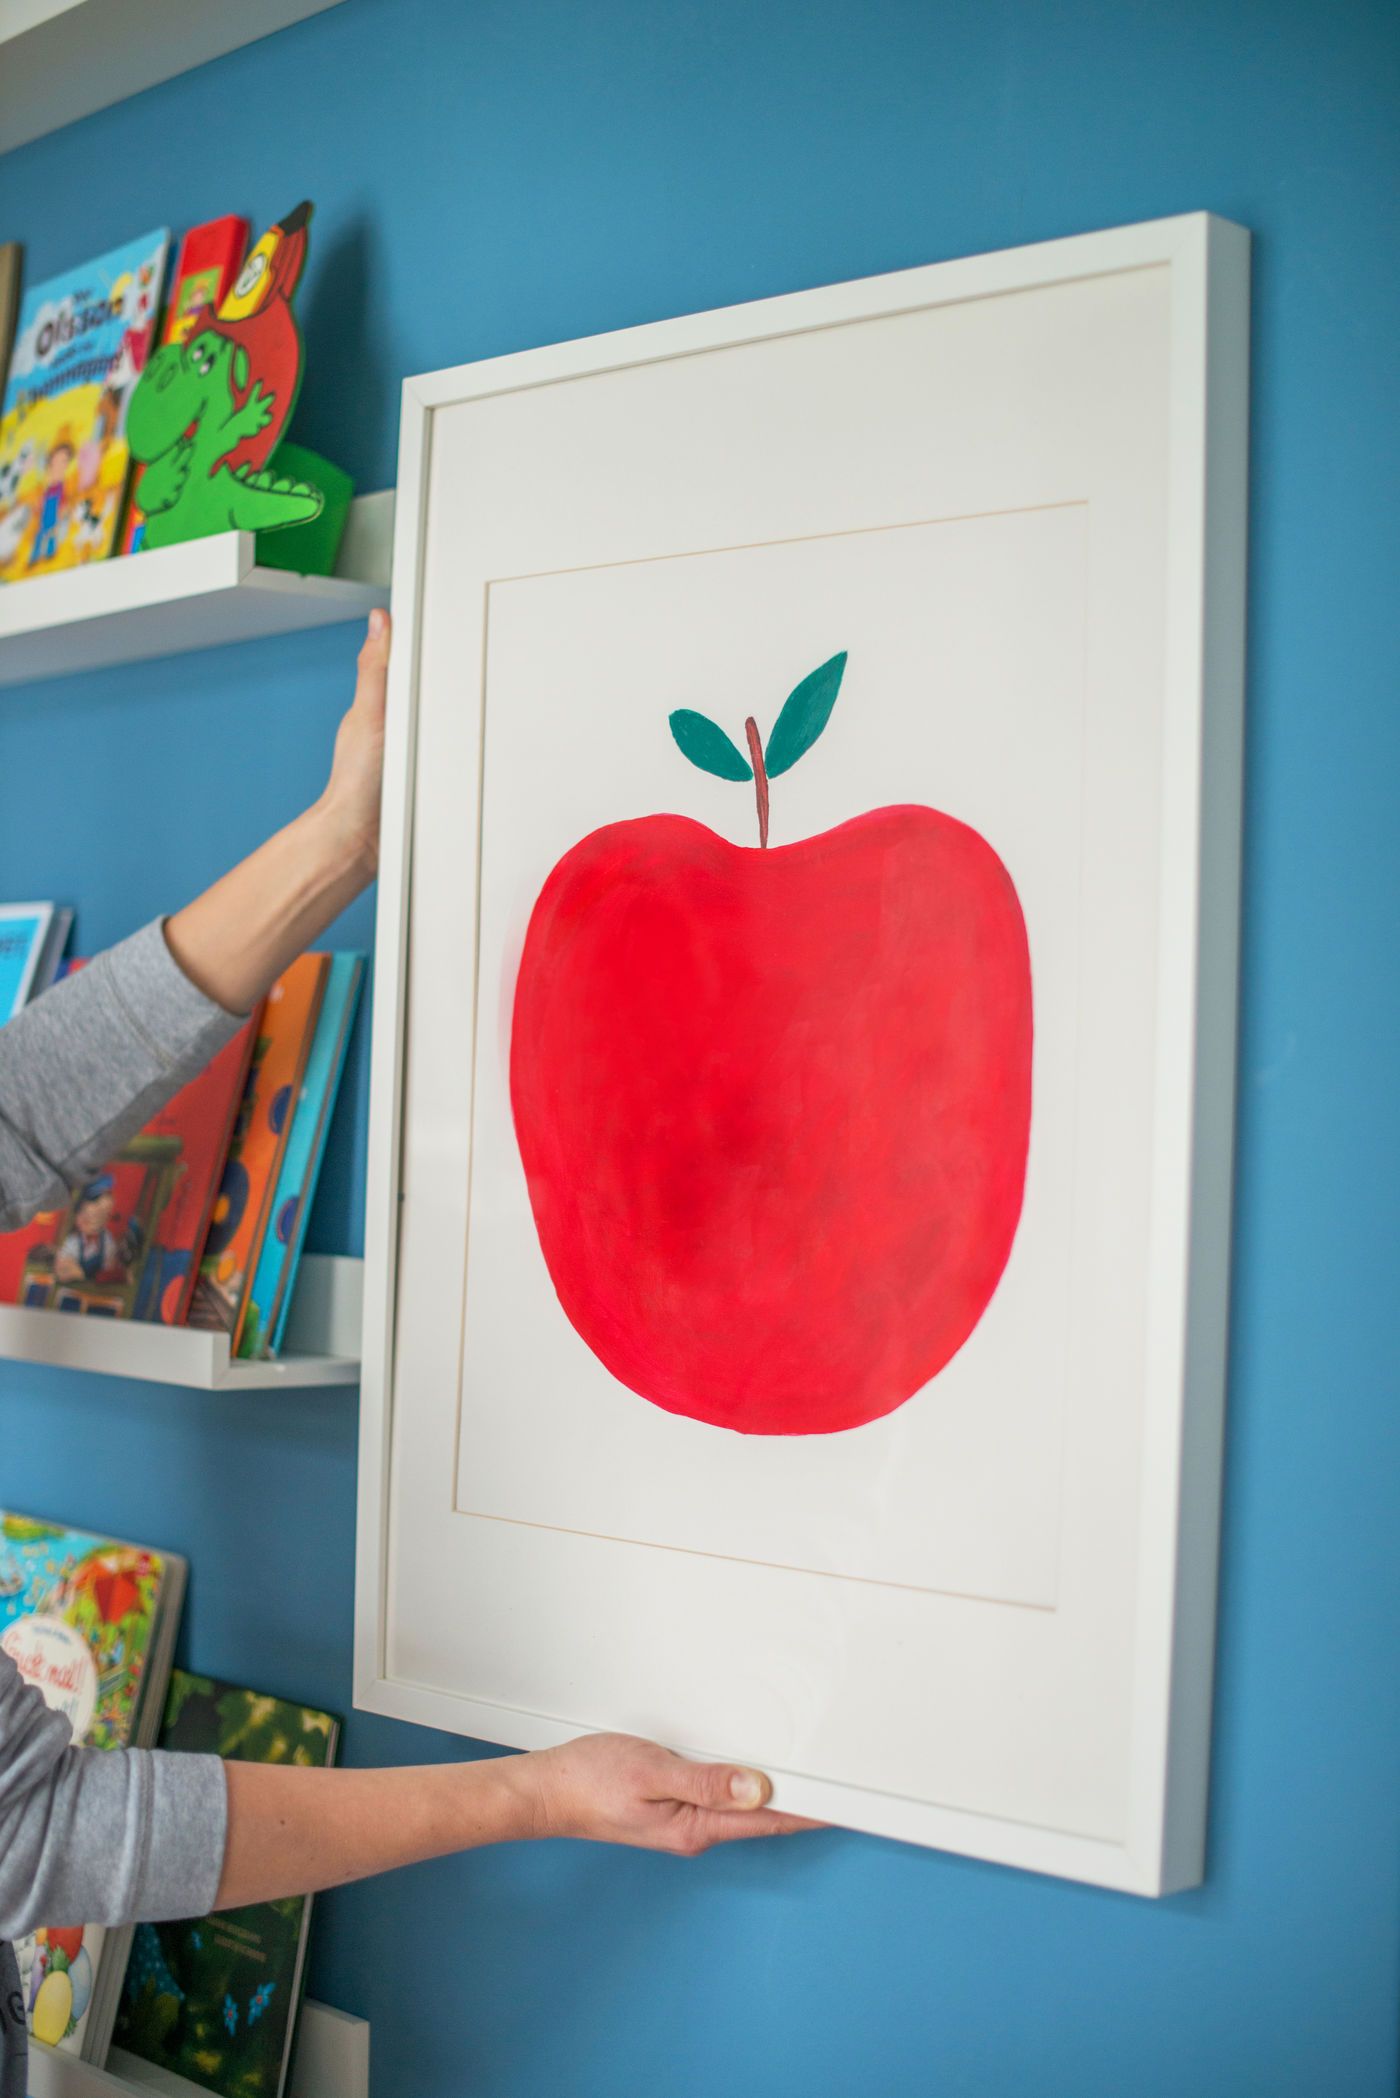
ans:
x=510 y=172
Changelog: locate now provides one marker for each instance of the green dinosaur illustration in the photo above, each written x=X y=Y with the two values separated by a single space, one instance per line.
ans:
x=189 y=411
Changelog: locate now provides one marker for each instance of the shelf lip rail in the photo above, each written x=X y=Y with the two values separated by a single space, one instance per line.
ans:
x=323 y=1340
x=206 y=593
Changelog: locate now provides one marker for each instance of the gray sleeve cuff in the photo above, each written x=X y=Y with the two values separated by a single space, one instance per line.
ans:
x=184 y=1858
x=109 y=1836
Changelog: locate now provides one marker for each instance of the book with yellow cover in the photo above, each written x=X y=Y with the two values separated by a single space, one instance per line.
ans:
x=82 y=343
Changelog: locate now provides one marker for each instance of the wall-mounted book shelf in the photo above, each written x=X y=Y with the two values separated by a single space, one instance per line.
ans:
x=200 y=595
x=332 y=2061
x=323 y=1340
x=62 y=59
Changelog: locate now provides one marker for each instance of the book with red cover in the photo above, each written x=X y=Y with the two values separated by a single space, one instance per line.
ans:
x=210 y=258
x=127 y=1244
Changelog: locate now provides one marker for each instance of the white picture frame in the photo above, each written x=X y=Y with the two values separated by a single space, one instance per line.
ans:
x=1112 y=1788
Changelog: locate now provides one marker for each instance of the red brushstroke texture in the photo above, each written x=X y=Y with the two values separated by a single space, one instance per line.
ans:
x=773 y=1109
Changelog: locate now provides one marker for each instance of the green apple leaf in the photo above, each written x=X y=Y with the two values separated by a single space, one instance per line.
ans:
x=806 y=711
x=706 y=745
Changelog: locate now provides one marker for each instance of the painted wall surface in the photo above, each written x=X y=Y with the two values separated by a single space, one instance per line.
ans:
x=510 y=172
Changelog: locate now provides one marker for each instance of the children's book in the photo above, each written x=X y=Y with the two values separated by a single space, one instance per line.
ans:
x=91 y=1622
x=16 y=1246
x=82 y=344
x=210 y=258
x=128 y=1243
x=32 y=937
x=51 y=962
x=216 y=2000
x=270 y=1295
x=11 y=262
x=260 y=1134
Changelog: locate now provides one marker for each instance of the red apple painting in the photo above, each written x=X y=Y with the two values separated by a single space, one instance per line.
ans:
x=773 y=1102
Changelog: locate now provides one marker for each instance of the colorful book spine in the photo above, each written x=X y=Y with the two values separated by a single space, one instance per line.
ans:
x=269 y=1298
x=11 y=270
x=259 y=1141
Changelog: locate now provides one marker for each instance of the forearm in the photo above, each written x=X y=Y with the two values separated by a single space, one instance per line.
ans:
x=84 y=1066
x=238 y=937
x=294 y=1831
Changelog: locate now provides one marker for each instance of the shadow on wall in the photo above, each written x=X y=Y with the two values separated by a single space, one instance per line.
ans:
x=346 y=356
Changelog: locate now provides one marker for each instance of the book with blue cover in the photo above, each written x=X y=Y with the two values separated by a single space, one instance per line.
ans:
x=81 y=345
x=270 y=1294
x=32 y=937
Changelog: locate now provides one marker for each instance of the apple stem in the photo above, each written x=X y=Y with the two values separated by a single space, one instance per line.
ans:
x=760 y=779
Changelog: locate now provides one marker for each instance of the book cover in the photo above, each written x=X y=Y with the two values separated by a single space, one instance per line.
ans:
x=260 y=1133
x=210 y=258
x=128 y=1243
x=82 y=343
x=270 y=1294
x=216 y=2000
x=24 y=935
x=16 y=1246
x=90 y=1621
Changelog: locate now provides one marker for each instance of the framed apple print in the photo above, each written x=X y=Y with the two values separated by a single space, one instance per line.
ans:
x=803 y=1046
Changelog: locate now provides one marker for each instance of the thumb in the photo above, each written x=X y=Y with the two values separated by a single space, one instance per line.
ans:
x=372 y=664
x=723 y=1787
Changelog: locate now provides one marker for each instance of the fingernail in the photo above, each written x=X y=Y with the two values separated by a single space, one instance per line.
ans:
x=746 y=1788
x=376 y=622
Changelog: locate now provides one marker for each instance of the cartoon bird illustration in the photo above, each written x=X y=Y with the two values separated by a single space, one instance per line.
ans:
x=272 y=268
x=258 y=318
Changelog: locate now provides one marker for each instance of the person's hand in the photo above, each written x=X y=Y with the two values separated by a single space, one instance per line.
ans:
x=613 y=1788
x=351 y=800
x=237 y=938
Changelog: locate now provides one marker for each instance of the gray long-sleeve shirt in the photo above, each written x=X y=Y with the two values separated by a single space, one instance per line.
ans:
x=87 y=1836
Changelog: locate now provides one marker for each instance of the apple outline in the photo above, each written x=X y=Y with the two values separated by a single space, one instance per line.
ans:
x=654 y=1162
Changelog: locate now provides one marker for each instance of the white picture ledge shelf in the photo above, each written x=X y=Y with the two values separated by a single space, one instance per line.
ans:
x=199 y=595
x=332 y=2061
x=323 y=1340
